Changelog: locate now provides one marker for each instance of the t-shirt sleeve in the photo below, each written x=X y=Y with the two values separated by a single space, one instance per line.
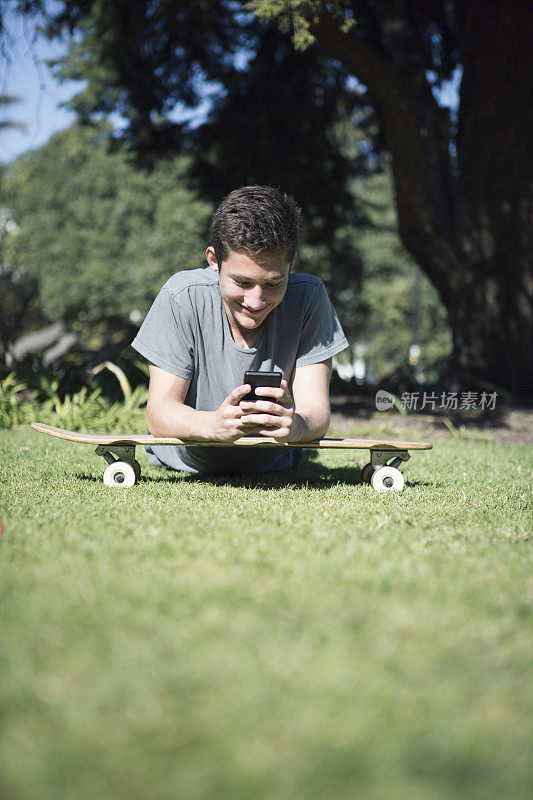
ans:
x=322 y=335
x=166 y=336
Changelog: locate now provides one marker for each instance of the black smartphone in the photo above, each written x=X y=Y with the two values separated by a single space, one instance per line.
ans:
x=256 y=379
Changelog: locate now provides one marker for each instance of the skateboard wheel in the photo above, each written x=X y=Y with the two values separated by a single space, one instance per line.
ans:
x=120 y=475
x=366 y=473
x=137 y=469
x=387 y=479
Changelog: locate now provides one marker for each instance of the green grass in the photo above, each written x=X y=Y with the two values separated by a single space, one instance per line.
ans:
x=286 y=637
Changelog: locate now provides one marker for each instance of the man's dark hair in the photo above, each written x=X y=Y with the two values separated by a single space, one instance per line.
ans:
x=259 y=221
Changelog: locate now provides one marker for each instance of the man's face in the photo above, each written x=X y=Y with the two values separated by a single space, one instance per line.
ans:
x=250 y=291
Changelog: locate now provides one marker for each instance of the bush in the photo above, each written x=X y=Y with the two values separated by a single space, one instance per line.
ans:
x=85 y=410
x=17 y=402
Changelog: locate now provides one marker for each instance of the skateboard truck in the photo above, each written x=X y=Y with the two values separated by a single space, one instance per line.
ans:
x=382 y=471
x=123 y=469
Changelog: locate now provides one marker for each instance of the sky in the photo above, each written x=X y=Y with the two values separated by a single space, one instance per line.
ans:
x=26 y=76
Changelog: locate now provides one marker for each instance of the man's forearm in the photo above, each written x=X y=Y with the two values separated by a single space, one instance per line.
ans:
x=310 y=423
x=170 y=418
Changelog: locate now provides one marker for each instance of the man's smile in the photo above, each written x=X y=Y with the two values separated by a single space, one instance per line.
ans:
x=253 y=312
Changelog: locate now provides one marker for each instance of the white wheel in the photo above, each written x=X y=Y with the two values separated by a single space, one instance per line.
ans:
x=366 y=473
x=387 y=479
x=137 y=467
x=120 y=475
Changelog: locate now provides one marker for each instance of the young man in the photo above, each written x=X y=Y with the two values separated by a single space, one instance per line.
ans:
x=245 y=311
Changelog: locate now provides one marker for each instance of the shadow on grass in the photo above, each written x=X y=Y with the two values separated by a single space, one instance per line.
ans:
x=309 y=473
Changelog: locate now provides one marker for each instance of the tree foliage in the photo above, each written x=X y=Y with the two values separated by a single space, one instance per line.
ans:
x=98 y=235
x=462 y=175
x=6 y=120
x=380 y=315
x=141 y=59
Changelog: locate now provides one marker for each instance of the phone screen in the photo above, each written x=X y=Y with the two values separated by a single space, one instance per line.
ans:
x=261 y=379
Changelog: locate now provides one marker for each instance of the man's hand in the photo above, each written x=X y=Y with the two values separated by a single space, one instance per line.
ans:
x=229 y=422
x=266 y=417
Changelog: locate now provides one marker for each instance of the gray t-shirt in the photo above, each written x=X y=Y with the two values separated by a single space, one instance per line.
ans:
x=186 y=332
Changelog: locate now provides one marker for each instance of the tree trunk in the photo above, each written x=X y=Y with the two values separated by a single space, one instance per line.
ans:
x=491 y=327
x=464 y=202
x=493 y=321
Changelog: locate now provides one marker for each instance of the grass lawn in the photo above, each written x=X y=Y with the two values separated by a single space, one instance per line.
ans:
x=292 y=637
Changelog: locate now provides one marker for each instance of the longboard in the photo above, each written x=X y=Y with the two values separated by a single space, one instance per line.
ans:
x=124 y=471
